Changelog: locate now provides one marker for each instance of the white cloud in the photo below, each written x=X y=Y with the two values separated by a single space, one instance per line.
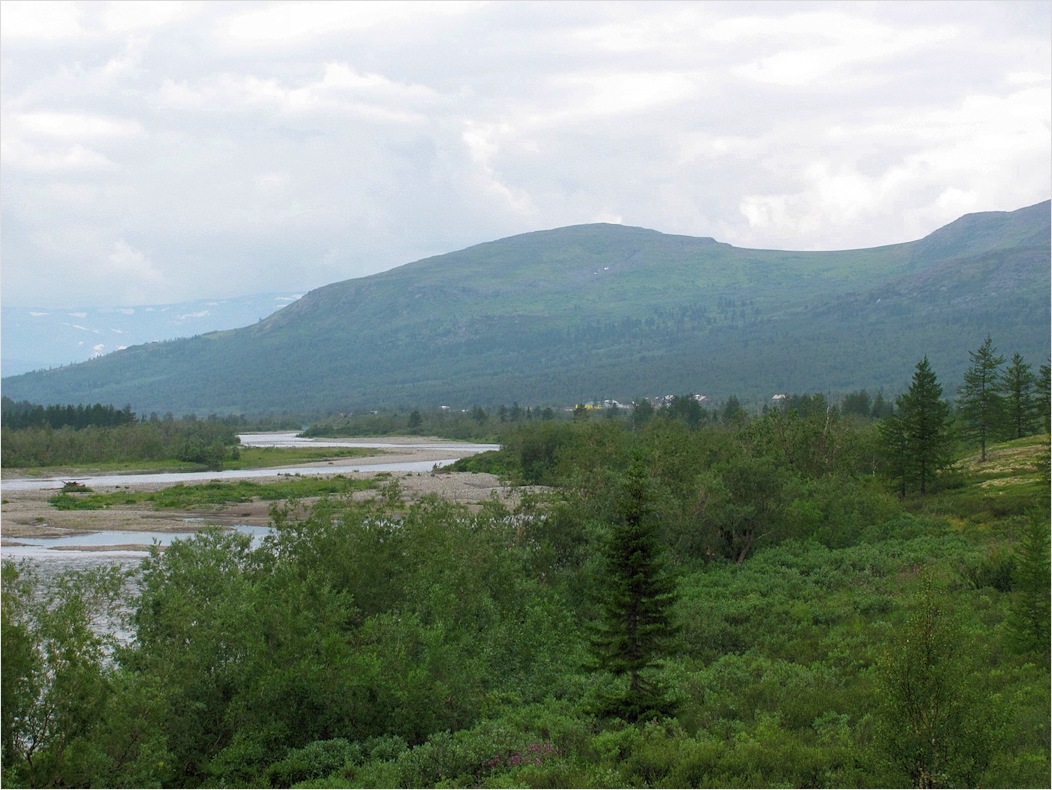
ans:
x=305 y=20
x=39 y=19
x=52 y=159
x=340 y=89
x=75 y=125
x=120 y=16
x=130 y=274
x=852 y=42
x=272 y=182
x=161 y=152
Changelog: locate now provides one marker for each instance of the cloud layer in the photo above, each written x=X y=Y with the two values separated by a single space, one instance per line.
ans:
x=158 y=152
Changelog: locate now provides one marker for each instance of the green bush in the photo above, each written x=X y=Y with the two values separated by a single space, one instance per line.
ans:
x=315 y=760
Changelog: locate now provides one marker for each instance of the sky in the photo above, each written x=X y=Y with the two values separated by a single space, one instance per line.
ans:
x=154 y=152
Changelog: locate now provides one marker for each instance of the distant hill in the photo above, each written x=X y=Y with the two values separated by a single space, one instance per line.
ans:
x=39 y=337
x=605 y=311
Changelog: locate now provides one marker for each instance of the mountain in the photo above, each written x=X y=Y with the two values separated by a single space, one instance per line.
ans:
x=40 y=337
x=605 y=311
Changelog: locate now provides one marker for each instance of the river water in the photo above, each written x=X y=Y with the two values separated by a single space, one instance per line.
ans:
x=129 y=547
x=456 y=450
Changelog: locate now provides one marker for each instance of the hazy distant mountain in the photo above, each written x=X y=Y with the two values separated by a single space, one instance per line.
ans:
x=606 y=311
x=35 y=338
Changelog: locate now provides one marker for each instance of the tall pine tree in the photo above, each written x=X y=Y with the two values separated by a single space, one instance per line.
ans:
x=634 y=632
x=916 y=439
x=1031 y=605
x=1019 y=385
x=980 y=403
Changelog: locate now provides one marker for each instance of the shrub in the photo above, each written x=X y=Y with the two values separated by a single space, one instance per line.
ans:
x=315 y=760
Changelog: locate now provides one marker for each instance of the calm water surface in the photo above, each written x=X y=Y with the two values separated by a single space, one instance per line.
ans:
x=280 y=439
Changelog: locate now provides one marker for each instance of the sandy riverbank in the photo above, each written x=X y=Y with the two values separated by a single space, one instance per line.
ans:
x=28 y=514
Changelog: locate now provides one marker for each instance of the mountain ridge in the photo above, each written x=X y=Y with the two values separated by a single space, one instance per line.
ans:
x=598 y=310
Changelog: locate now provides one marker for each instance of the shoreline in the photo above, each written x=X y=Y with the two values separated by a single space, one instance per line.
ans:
x=26 y=513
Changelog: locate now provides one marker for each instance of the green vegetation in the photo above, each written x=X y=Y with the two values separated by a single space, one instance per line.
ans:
x=633 y=634
x=264 y=457
x=31 y=415
x=980 y=399
x=46 y=441
x=603 y=311
x=183 y=496
x=917 y=436
x=695 y=601
x=203 y=444
x=477 y=424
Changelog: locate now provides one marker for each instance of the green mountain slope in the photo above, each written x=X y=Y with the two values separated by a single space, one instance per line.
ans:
x=605 y=311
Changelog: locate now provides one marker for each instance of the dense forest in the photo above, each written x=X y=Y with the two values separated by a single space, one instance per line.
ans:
x=805 y=597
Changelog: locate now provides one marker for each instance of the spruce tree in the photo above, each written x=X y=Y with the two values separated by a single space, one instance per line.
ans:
x=1031 y=606
x=1019 y=385
x=981 y=404
x=634 y=631
x=916 y=438
x=1044 y=396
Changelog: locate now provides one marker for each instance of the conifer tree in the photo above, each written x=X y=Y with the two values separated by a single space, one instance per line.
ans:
x=1019 y=385
x=981 y=403
x=1044 y=396
x=634 y=631
x=1031 y=605
x=916 y=438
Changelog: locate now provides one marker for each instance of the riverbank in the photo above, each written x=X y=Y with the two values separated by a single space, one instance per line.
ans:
x=27 y=513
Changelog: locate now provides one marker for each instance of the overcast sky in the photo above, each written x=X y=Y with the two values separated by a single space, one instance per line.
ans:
x=158 y=152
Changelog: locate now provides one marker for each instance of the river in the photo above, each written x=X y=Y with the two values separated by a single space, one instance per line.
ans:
x=85 y=549
x=456 y=450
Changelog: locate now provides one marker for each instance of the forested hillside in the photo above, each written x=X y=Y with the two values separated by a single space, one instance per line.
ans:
x=603 y=311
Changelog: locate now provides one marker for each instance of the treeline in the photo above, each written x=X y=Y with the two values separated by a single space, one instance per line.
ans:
x=490 y=423
x=204 y=442
x=66 y=435
x=23 y=414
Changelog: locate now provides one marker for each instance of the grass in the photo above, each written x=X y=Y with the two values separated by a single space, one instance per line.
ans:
x=181 y=496
x=1013 y=481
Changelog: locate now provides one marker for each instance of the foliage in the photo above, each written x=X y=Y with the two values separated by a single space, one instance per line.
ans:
x=818 y=619
x=1031 y=612
x=1019 y=386
x=932 y=729
x=980 y=398
x=56 y=687
x=916 y=438
x=182 y=496
x=14 y=416
x=202 y=442
x=633 y=633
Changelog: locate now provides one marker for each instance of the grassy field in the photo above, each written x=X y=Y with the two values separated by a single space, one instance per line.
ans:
x=1014 y=479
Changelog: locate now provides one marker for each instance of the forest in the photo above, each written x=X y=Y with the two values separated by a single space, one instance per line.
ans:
x=809 y=597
